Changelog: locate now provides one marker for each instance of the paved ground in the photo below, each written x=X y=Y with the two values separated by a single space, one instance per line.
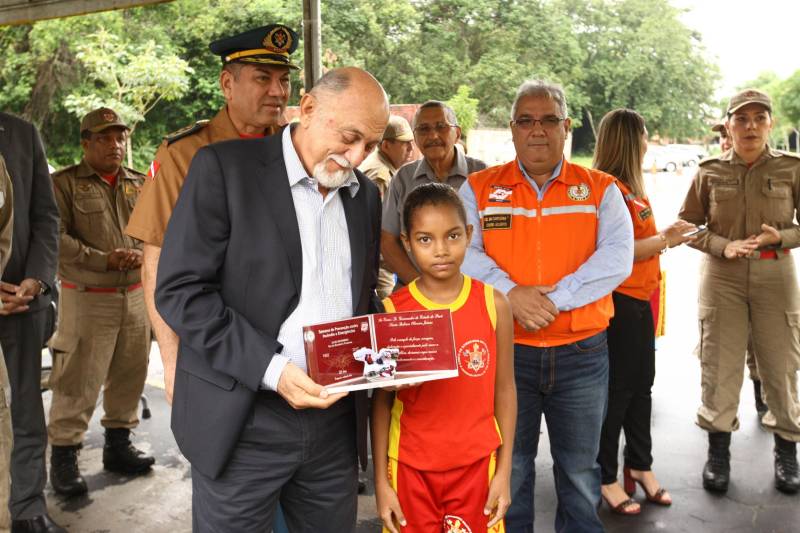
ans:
x=160 y=502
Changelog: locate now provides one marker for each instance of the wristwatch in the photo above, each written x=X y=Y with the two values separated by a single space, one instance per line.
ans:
x=44 y=288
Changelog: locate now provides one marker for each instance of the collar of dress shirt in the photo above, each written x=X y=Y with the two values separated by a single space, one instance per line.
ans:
x=295 y=170
x=459 y=167
x=554 y=175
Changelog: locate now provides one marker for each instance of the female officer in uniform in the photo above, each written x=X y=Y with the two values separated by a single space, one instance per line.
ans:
x=748 y=197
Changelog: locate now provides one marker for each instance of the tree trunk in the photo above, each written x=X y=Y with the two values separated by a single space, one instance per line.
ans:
x=591 y=123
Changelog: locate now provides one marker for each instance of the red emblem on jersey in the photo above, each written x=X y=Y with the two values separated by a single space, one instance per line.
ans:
x=473 y=358
x=154 y=166
x=455 y=524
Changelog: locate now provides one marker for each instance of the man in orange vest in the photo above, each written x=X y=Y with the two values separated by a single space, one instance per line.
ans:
x=557 y=239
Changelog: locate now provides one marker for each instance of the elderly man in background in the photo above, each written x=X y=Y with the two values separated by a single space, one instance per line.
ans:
x=436 y=133
x=380 y=166
x=557 y=239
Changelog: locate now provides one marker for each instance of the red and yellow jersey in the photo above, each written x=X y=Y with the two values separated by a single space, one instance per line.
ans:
x=444 y=424
x=644 y=277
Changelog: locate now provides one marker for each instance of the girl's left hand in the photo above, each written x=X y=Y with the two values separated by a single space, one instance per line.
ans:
x=498 y=500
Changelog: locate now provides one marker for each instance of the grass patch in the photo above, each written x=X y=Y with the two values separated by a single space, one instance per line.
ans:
x=583 y=160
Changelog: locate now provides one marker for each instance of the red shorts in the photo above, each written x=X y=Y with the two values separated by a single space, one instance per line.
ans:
x=451 y=501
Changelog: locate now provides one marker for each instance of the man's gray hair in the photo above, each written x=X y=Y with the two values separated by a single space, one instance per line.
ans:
x=449 y=114
x=541 y=88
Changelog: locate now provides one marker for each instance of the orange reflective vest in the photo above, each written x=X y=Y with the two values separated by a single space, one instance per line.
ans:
x=539 y=243
x=646 y=273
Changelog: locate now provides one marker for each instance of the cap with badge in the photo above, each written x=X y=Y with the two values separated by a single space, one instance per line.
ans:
x=101 y=119
x=748 y=96
x=268 y=45
x=398 y=129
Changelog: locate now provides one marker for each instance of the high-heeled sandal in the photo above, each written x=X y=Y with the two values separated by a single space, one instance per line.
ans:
x=624 y=508
x=630 y=488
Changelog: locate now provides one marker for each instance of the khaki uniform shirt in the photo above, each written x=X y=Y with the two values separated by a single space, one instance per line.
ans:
x=379 y=170
x=93 y=215
x=6 y=215
x=733 y=200
x=168 y=171
x=412 y=175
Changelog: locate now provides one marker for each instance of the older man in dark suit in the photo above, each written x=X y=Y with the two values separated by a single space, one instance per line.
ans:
x=24 y=321
x=269 y=235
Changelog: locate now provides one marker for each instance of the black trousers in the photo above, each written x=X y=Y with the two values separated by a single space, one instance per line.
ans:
x=22 y=338
x=304 y=459
x=632 y=369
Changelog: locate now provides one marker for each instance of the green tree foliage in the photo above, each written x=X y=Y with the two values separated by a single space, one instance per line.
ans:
x=466 y=109
x=606 y=53
x=129 y=78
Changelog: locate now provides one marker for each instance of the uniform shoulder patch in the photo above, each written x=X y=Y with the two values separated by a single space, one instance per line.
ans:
x=62 y=171
x=185 y=132
x=135 y=173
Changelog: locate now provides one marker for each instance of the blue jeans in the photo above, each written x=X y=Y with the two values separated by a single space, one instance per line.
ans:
x=569 y=384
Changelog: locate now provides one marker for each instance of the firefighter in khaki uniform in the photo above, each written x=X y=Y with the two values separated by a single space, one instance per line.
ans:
x=6 y=432
x=725 y=144
x=748 y=197
x=103 y=336
x=256 y=85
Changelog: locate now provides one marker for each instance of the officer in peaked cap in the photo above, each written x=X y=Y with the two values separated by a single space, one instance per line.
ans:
x=270 y=45
x=255 y=82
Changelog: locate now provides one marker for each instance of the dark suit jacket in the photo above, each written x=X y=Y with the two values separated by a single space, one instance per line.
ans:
x=35 y=250
x=230 y=274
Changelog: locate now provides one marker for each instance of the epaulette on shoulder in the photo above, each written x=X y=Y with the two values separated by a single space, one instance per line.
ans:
x=61 y=171
x=185 y=132
x=134 y=172
x=790 y=154
x=709 y=160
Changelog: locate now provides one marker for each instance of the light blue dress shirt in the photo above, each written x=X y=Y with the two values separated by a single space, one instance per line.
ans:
x=325 y=295
x=606 y=268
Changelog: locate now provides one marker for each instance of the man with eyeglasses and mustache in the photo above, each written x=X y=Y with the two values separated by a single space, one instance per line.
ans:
x=256 y=85
x=557 y=239
x=436 y=133
x=103 y=336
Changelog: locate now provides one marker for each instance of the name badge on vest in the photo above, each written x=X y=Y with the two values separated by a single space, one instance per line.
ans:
x=496 y=221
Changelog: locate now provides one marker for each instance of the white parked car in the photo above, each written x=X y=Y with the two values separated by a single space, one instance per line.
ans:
x=662 y=158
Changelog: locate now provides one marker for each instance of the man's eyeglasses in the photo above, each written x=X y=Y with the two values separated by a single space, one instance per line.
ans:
x=439 y=127
x=527 y=123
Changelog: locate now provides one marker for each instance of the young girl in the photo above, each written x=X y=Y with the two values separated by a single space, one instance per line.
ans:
x=442 y=450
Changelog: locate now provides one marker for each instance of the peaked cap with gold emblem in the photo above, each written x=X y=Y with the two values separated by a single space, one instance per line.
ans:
x=268 y=45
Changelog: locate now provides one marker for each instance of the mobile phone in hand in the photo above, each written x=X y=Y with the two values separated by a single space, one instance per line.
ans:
x=696 y=230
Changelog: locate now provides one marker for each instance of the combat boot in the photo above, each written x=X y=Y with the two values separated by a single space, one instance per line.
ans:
x=717 y=471
x=65 y=477
x=761 y=407
x=120 y=456
x=787 y=477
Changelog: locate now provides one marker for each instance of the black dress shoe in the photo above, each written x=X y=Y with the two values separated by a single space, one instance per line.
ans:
x=38 y=524
x=717 y=470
